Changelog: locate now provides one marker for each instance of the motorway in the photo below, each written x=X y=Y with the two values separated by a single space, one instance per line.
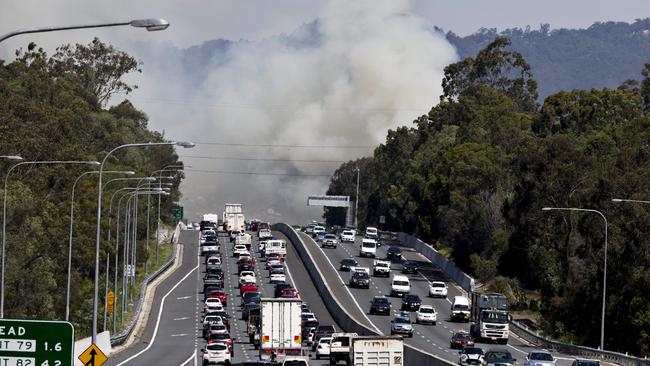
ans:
x=432 y=339
x=173 y=334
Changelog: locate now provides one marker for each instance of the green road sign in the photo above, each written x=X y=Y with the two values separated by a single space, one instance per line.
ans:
x=36 y=343
x=177 y=213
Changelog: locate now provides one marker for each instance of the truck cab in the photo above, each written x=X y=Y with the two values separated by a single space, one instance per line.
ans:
x=340 y=347
x=489 y=317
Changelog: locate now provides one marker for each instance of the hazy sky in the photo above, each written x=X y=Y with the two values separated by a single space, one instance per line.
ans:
x=194 y=21
x=363 y=61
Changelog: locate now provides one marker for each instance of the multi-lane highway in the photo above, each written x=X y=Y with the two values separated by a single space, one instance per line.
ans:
x=432 y=339
x=173 y=335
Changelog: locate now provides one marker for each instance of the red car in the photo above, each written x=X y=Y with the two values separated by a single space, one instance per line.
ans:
x=219 y=294
x=461 y=339
x=289 y=293
x=248 y=287
x=222 y=338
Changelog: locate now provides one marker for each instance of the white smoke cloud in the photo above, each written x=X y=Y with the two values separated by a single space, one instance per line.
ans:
x=362 y=68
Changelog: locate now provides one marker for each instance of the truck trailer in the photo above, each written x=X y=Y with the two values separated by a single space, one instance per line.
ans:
x=280 y=329
x=377 y=351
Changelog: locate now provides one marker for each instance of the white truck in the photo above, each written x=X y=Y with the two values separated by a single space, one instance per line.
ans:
x=275 y=246
x=280 y=329
x=340 y=347
x=377 y=351
x=244 y=239
x=368 y=248
x=233 y=217
x=381 y=268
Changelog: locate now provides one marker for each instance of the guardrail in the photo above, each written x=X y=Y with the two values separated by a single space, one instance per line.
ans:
x=467 y=283
x=120 y=338
x=414 y=356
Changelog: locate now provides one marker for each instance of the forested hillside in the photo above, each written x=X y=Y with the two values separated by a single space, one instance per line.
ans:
x=603 y=55
x=53 y=108
x=472 y=176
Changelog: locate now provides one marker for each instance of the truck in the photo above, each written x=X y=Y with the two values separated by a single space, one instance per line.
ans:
x=275 y=246
x=489 y=317
x=244 y=239
x=377 y=351
x=233 y=217
x=280 y=329
x=340 y=347
x=381 y=268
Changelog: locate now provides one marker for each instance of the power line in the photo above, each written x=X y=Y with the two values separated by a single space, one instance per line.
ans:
x=285 y=146
x=260 y=159
x=257 y=173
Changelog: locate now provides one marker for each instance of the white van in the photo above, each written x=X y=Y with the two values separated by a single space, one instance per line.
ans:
x=368 y=248
x=372 y=233
x=400 y=286
x=460 y=309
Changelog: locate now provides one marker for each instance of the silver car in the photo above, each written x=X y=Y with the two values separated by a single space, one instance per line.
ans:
x=540 y=358
x=401 y=324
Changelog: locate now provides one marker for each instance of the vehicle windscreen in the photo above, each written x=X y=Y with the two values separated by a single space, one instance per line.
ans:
x=295 y=363
x=472 y=351
x=341 y=341
x=498 y=357
x=216 y=347
x=360 y=275
x=381 y=301
x=311 y=324
x=459 y=307
x=330 y=236
x=348 y=233
x=368 y=245
x=400 y=283
x=494 y=317
x=437 y=285
x=402 y=321
x=426 y=310
x=325 y=329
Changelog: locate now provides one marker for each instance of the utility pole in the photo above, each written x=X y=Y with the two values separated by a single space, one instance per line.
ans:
x=356 y=203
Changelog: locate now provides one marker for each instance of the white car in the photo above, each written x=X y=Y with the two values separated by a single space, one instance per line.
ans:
x=438 y=289
x=214 y=261
x=212 y=319
x=426 y=314
x=470 y=356
x=539 y=358
x=239 y=249
x=347 y=235
x=247 y=276
x=323 y=348
x=277 y=278
x=368 y=248
x=216 y=353
x=306 y=317
x=212 y=305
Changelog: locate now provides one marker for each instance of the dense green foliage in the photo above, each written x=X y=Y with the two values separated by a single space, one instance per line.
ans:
x=52 y=109
x=474 y=173
x=602 y=55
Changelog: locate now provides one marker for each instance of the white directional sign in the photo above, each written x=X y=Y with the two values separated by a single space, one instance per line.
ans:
x=329 y=201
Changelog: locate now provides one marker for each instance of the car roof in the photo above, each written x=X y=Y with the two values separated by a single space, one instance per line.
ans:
x=400 y=278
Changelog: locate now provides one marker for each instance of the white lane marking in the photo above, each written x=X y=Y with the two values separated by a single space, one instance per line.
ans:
x=347 y=289
x=178 y=335
x=183 y=318
x=193 y=355
x=183 y=297
x=162 y=306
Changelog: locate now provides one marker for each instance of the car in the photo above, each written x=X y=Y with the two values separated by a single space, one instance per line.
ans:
x=400 y=286
x=318 y=230
x=470 y=356
x=360 y=279
x=308 y=329
x=223 y=339
x=401 y=324
x=320 y=237
x=213 y=328
x=585 y=362
x=249 y=308
x=249 y=297
x=295 y=361
x=290 y=293
x=271 y=262
x=368 y=248
x=223 y=315
x=329 y=240
x=380 y=305
x=247 y=287
x=461 y=339
x=372 y=233
x=213 y=260
x=234 y=234
x=381 y=268
x=304 y=307
x=411 y=302
x=320 y=332
x=539 y=358
x=216 y=353
x=280 y=287
x=219 y=294
x=394 y=252
x=212 y=305
x=308 y=317
x=498 y=357
x=348 y=236
x=277 y=278
x=213 y=274
x=347 y=263
x=240 y=249
x=438 y=289
x=276 y=267
x=212 y=319
x=323 y=347
x=410 y=267
x=426 y=314
x=247 y=276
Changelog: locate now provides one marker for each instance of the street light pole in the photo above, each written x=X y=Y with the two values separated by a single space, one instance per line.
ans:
x=149 y=24
x=99 y=220
x=356 y=202
x=602 y=315
x=4 y=216
x=74 y=186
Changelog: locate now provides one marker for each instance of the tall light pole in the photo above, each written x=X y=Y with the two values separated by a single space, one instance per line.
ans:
x=99 y=220
x=356 y=202
x=170 y=167
x=4 y=216
x=11 y=157
x=602 y=315
x=149 y=24
x=74 y=186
